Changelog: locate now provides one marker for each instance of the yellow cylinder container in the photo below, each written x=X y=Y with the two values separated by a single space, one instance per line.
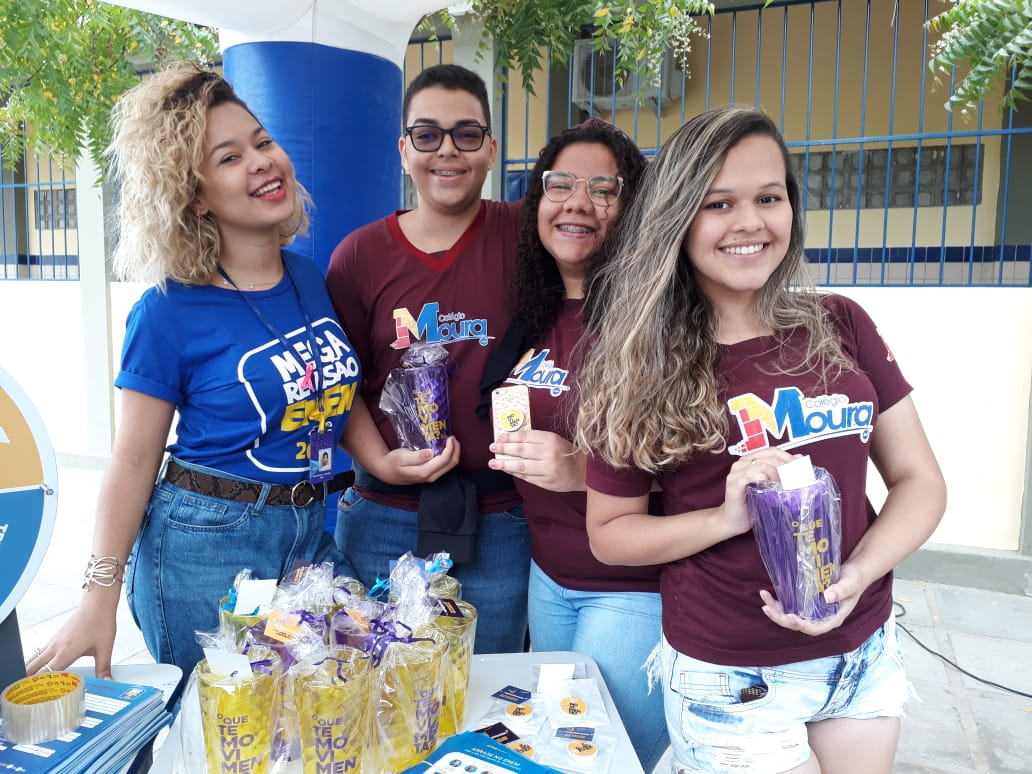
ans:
x=239 y=714
x=458 y=624
x=406 y=695
x=332 y=701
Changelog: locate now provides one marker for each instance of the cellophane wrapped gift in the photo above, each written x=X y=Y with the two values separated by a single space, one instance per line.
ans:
x=799 y=535
x=412 y=592
x=327 y=700
x=415 y=397
x=406 y=693
x=237 y=716
x=457 y=620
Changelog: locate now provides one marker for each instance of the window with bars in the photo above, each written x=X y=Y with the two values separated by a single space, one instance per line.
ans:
x=55 y=208
x=890 y=177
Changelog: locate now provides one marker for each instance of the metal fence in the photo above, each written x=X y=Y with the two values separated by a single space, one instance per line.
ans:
x=898 y=191
x=38 y=221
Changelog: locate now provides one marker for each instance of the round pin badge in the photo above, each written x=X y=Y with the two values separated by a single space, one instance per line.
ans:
x=582 y=750
x=573 y=706
x=522 y=748
x=519 y=710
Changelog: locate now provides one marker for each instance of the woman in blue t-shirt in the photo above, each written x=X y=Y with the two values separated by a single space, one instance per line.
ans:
x=237 y=340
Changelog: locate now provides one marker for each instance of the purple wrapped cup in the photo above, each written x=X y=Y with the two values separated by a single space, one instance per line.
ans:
x=428 y=388
x=799 y=536
x=415 y=397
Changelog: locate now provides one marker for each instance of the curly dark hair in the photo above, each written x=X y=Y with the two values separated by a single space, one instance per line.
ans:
x=537 y=287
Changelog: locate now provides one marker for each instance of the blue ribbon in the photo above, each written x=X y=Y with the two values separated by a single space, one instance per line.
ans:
x=381 y=587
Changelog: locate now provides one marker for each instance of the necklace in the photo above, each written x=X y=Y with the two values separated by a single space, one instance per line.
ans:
x=251 y=285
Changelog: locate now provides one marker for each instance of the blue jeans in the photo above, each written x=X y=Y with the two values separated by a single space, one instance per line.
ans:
x=592 y=623
x=191 y=547
x=371 y=536
x=715 y=727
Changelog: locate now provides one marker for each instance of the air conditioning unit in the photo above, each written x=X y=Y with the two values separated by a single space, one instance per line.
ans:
x=594 y=83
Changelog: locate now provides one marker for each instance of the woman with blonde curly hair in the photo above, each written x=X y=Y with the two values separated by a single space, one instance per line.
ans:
x=713 y=357
x=239 y=338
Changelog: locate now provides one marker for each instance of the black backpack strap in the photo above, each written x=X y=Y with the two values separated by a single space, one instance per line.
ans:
x=500 y=362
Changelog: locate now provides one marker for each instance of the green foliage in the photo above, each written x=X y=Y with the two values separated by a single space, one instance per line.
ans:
x=63 y=63
x=524 y=31
x=994 y=39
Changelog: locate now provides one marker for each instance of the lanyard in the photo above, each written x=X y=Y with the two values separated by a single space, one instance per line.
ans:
x=311 y=378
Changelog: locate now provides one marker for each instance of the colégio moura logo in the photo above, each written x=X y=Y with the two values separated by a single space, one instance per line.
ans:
x=433 y=327
x=797 y=419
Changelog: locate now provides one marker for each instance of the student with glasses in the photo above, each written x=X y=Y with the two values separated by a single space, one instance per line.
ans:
x=582 y=182
x=437 y=273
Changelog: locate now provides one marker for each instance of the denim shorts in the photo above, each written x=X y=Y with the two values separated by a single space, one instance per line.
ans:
x=717 y=725
x=372 y=535
x=189 y=550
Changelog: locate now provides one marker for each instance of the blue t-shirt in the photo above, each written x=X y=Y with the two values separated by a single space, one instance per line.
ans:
x=243 y=400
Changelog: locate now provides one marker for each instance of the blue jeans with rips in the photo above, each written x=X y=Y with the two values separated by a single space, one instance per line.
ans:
x=618 y=629
x=371 y=536
x=189 y=550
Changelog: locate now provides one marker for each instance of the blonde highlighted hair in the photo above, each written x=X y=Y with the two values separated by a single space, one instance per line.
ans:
x=156 y=155
x=650 y=391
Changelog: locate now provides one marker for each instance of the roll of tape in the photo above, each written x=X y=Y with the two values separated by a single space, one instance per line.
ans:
x=43 y=707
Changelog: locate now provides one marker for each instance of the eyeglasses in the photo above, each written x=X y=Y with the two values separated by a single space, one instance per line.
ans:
x=430 y=137
x=603 y=190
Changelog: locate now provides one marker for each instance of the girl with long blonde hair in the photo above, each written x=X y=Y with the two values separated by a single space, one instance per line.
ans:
x=713 y=363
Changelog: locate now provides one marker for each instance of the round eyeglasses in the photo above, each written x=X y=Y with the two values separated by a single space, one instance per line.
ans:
x=603 y=190
x=465 y=137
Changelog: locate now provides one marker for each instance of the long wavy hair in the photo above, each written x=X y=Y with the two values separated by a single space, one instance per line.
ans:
x=156 y=156
x=537 y=286
x=650 y=387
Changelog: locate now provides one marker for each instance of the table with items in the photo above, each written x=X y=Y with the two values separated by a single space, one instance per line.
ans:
x=317 y=674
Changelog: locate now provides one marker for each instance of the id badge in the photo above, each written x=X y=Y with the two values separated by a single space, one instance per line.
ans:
x=320 y=454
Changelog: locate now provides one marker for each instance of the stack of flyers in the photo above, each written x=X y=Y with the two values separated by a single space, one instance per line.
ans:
x=120 y=719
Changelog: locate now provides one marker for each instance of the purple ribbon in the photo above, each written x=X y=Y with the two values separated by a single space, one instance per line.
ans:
x=384 y=633
x=340 y=667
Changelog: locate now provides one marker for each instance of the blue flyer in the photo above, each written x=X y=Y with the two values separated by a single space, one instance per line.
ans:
x=473 y=753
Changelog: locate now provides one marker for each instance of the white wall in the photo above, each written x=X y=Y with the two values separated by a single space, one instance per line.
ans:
x=968 y=354
x=967 y=351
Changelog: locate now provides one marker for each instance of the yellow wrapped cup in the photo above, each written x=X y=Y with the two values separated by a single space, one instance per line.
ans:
x=332 y=700
x=239 y=713
x=406 y=694
x=458 y=623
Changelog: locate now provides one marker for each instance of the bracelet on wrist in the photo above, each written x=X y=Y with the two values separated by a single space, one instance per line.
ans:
x=103 y=571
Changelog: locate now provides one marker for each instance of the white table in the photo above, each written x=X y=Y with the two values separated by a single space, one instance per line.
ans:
x=488 y=674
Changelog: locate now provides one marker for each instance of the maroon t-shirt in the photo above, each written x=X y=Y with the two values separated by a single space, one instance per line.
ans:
x=711 y=605
x=558 y=537
x=390 y=294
